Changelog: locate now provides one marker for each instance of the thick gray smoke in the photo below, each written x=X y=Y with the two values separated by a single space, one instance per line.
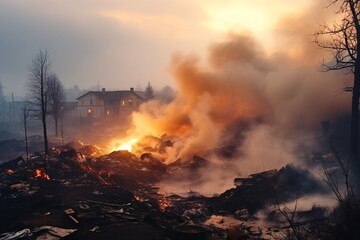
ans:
x=272 y=91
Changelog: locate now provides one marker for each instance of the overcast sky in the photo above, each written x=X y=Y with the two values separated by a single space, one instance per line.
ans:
x=120 y=44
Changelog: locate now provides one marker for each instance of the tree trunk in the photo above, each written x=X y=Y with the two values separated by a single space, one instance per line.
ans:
x=56 y=126
x=43 y=119
x=62 y=130
x=45 y=135
x=43 y=110
x=26 y=139
x=354 y=135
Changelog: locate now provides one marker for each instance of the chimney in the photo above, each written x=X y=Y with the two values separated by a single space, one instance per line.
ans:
x=103 y=90
x=132 y=89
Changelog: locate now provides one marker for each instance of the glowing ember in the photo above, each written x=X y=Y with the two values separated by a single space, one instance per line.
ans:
x=9 y=171
x=126 y=145
x=139 y=199
x=40 y=174
x=164 y=202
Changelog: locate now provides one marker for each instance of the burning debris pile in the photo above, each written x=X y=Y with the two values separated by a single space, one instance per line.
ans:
x=117 y=196
x=67 y=198
x=170 y=176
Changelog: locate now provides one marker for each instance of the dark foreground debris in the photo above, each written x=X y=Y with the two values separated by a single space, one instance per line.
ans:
x=115 y=196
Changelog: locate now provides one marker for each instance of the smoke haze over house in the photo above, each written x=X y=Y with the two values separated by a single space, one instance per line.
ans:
x=275 y=92
x=122 y=44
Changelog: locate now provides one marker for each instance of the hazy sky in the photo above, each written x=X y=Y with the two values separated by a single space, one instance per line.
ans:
x=123 y=43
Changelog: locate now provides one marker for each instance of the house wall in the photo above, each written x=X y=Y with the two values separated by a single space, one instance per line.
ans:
x=127 y=106
x=90 y=106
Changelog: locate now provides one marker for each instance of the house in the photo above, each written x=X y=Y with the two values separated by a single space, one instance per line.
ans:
x=69 y=108
x=109 y=104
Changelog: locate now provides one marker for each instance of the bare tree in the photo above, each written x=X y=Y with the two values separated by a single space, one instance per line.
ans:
x=38 y=87
x=342 y=40
x=56 y=94
x=26 y=118
x=290 y=215
x=347 y=222
x=2 y=106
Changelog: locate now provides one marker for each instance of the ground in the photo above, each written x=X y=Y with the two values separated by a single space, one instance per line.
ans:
x=116 y=196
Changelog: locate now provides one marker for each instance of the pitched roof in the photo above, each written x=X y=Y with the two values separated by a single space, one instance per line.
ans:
x=115 y=95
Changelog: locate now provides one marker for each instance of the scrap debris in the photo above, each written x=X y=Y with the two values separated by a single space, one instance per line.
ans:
x=81 y=196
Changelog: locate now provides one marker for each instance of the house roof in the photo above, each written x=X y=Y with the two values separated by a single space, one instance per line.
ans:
x=115 y=95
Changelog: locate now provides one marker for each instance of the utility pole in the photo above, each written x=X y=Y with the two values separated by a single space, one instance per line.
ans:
x=61 y=125
x=13 y=110
x=26 y=119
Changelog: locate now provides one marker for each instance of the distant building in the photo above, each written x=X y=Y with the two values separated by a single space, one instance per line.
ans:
x=109 y=104
x=69 y=108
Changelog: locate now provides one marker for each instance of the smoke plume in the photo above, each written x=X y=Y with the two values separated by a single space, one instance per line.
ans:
x=273 y=92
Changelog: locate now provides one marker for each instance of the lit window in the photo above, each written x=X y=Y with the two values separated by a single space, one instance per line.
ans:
x=89 y=110
x=131 y=102
x=123 y=103
x=108 y=112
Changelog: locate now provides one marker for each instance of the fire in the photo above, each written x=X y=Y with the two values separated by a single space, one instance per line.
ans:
x=138 y=198
x=9 y=171
x=163 y=204
x=163 y=201
x=40 y=174
x=125 y=145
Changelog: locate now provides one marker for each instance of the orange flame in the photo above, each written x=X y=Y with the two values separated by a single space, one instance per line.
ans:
x=138 y=198
x=164 y=202
x=9 y=171
x=41 y=174
x=125 y=145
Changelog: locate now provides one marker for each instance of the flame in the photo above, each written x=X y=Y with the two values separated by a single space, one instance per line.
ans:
x=164 y=201
x=41 y=174
x=9 y=171
x=126 y=145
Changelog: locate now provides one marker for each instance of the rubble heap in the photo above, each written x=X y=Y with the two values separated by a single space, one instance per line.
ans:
x=75 y=195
